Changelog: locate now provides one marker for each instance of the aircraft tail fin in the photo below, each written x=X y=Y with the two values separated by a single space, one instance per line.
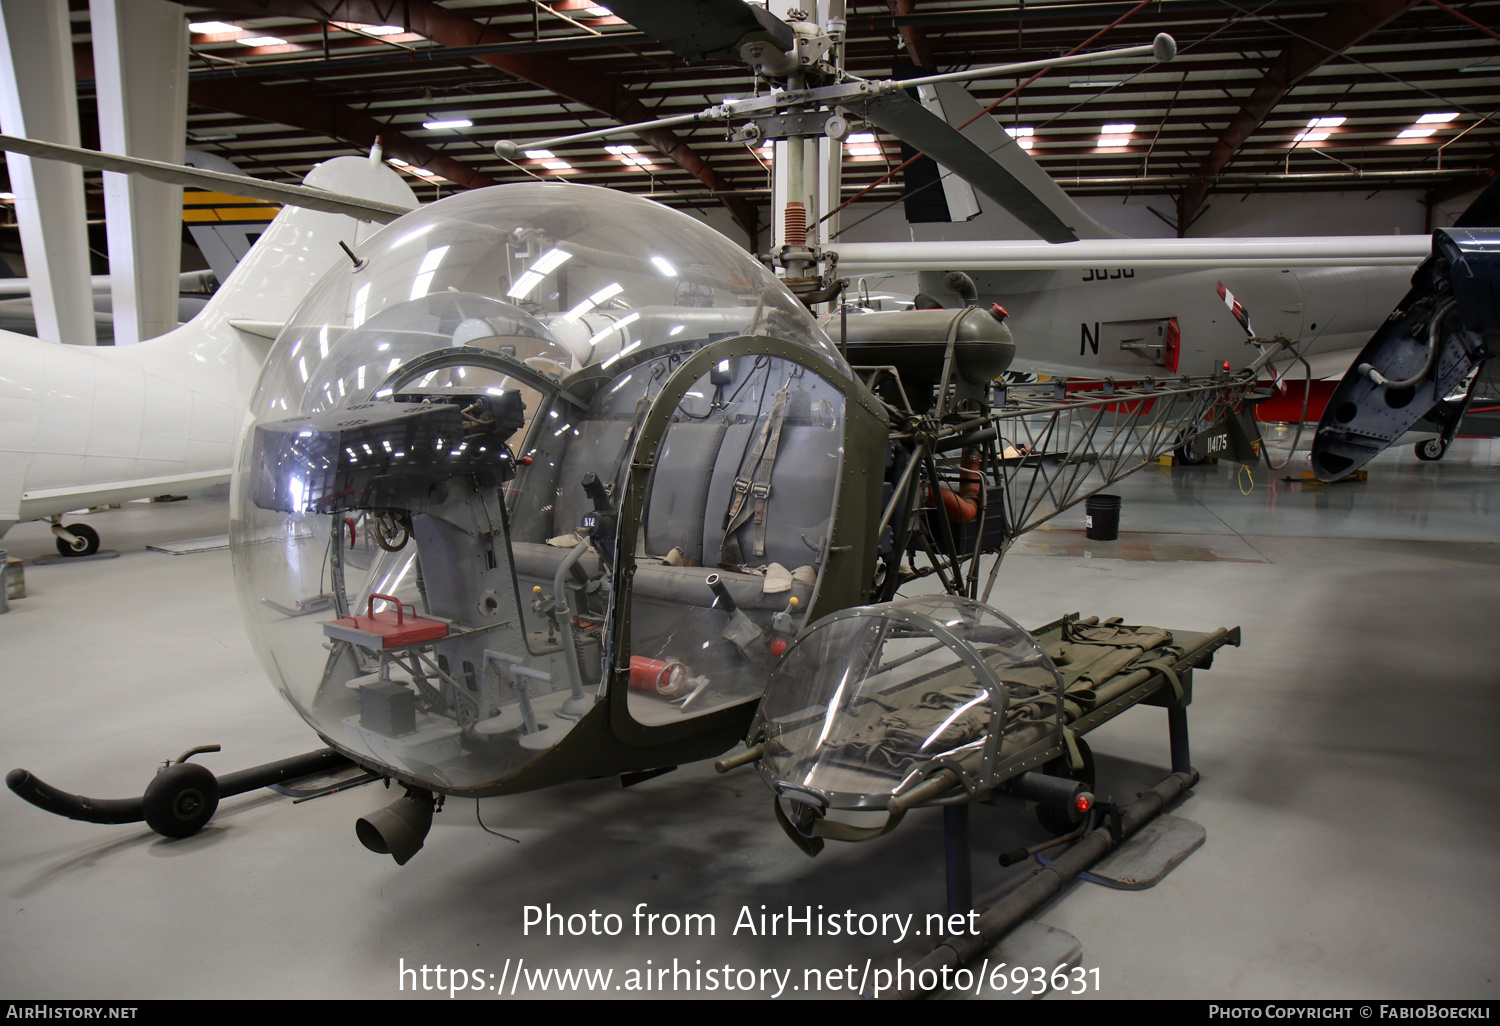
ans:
x=224 y=226
x=299 y=245
x=954 y=104
x=1484 y=212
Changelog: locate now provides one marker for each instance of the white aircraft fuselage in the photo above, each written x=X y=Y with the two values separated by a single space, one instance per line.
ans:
x=1115 y=307
x=1075 y=323
x=84 y=425
x=1103 y=304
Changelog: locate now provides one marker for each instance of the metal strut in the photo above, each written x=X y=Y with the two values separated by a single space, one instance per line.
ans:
x=958 y=950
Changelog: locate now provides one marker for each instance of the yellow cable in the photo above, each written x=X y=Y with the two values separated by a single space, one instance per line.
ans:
x=1245 y=469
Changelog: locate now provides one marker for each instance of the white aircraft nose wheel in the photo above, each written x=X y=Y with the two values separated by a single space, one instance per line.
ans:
x=1432 y=449
x=85 y=534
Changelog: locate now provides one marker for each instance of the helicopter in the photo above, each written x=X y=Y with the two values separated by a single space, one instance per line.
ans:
x=600 y=547
x=550 y=482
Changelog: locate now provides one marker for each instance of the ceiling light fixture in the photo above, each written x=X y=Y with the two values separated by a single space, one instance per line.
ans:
x=262 y=41
x=212 y=28
x=449 y=123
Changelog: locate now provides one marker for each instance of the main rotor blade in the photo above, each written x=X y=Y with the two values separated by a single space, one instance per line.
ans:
x=906 y=119
x=705 y=29
x=237 y=185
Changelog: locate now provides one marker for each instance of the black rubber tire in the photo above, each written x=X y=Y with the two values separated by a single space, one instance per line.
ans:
x=1185 y=455
x=181 y=799
x=1432 y=449
x=85 y=532
x=1059 y=820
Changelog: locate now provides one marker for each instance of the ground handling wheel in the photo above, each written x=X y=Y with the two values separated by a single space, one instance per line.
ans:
x=180 y=799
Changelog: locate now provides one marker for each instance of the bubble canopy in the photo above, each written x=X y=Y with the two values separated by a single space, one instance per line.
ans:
x=424 y=572
x=600 y=273
x=871 y=700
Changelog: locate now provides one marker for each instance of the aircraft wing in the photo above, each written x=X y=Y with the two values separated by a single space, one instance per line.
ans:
x=45 y=501
x=239 y=185
x=1425 y=361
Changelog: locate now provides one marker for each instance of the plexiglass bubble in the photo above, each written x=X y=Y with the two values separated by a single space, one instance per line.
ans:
x=439 y=452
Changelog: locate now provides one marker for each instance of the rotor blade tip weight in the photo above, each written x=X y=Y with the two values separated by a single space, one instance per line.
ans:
x=507 y=150
x=1164 y=47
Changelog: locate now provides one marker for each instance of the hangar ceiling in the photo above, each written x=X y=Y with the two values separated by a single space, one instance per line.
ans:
x=279 y=85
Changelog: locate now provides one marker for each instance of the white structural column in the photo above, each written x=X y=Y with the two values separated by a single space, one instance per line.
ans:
x=38 y=100
x=140 y=63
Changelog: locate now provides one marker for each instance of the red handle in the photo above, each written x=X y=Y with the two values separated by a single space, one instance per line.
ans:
x=389 y=598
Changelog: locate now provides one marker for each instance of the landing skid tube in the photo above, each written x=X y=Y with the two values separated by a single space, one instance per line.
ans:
x=181 y=798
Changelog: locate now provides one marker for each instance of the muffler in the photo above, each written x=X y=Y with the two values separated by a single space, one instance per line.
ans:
x=399 y=829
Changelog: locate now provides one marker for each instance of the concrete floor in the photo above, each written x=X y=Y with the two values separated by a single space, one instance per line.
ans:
x=1347 y=754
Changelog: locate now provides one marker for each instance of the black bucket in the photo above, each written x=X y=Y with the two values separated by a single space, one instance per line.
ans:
x=1102 y=517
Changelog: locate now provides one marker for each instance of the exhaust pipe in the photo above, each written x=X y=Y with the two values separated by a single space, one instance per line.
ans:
x=399 y=829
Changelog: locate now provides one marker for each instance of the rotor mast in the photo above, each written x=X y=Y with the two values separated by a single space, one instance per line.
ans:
x=806 y=111
x=807 y=170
